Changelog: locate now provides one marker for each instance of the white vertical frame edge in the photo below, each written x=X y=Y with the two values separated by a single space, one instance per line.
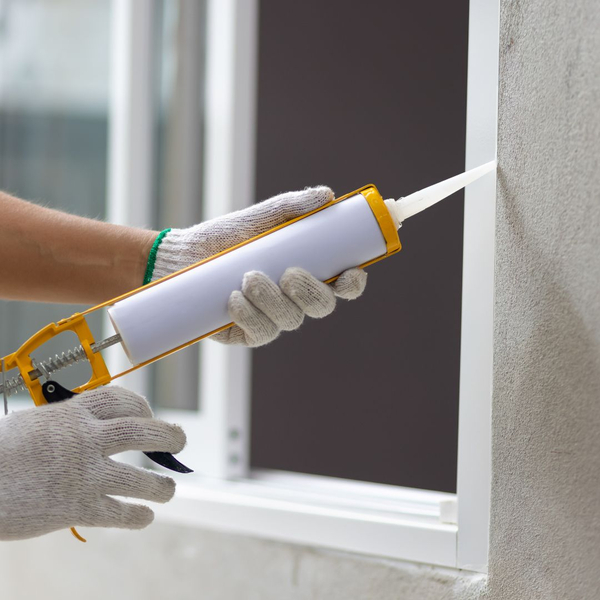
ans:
x=130 y=136
x=474 y=439
x=231 y=74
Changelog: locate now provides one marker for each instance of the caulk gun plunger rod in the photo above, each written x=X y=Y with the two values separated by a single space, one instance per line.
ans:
x=60 y=361
x=419 y=201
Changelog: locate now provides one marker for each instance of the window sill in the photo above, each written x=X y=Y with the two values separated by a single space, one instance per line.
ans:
x=366 y=518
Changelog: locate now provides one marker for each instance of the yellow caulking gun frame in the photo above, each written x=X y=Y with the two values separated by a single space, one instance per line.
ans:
x=22 y=360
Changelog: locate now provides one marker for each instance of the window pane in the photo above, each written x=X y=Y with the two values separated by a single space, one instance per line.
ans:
x=53 y=124
x=349 y=94
x=54 y=101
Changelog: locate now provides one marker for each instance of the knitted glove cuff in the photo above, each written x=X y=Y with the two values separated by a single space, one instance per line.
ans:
x=172 y=253
x=152 y=256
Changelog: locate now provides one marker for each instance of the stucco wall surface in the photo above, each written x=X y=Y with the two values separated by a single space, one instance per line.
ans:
x=545 y=522
x=545 y=525
x=171 y=562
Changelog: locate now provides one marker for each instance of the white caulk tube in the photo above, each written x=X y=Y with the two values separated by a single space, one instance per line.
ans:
x=355 y=230
x=193 y=304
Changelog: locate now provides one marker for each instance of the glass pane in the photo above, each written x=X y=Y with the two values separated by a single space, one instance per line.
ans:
x=53 y=123
x=351 y=94
x=54 y=112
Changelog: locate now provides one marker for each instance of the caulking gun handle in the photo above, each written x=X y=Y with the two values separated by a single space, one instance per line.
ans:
x=54 y=392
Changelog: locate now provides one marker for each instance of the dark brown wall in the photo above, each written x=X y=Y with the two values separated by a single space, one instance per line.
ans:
x=353 y=93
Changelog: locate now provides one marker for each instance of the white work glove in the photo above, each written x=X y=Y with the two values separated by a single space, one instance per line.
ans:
x=55 y=470
x=262 y=309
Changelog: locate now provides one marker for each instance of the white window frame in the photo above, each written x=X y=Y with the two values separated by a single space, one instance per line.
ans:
x=403 y=523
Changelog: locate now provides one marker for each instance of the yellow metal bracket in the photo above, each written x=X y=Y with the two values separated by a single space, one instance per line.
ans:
x=22 y=360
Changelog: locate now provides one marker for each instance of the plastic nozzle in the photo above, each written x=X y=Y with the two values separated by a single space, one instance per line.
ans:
x=419 y=201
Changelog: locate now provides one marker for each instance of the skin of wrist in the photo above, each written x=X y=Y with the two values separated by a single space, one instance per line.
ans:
x=51 y=256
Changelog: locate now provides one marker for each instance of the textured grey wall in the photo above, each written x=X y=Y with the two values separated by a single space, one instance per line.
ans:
x=545 y=538
x=545 y=526
x=167 y=562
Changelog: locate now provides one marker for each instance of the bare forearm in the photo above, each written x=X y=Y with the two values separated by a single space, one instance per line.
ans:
x=50 y=256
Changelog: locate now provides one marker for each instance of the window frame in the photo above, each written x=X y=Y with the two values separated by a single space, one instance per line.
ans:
x=395 y=522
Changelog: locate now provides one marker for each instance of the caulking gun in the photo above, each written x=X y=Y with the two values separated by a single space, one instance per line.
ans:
x=172 y=313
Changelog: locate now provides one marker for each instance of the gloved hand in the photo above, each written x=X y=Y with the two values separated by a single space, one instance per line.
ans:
x=262 y=309
x=55 y=470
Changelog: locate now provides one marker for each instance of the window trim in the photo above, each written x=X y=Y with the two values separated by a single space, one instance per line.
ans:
x=131 y=140
x=219 y=433
x=477 y=328
x=339 y=514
